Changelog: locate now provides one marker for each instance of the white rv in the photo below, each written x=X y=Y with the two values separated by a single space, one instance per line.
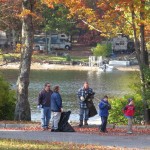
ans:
x=122 y=44
x=53 y=41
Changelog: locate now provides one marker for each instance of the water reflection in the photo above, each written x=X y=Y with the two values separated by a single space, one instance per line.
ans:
x=113 y=84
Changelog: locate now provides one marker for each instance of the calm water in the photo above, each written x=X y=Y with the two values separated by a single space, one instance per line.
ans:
x=113 y=84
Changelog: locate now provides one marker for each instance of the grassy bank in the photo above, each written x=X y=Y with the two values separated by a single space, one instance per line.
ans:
x=38 y=145
x=12 y=57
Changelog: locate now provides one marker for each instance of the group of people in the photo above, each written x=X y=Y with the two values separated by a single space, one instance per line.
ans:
x=50 y=103
x=104 y=107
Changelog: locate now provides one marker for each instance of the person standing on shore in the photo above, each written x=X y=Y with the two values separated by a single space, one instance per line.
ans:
x=104 y=108
x=44 y=100
x=82 y=94
x=129 y=111
x=56 y=108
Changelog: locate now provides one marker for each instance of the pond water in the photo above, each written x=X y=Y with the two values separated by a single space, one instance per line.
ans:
x=112 y=84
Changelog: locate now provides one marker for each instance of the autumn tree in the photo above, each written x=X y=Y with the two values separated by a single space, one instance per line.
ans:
x=22 y=111
x=9 y=22
x=130 y=17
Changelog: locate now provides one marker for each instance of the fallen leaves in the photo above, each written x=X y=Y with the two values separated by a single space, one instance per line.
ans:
x=93 y=130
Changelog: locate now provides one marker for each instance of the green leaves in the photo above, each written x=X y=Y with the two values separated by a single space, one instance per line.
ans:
x=116 y=115
x=102 y=50
x=7 y=101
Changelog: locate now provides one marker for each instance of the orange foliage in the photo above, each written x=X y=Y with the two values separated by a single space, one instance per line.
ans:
x=2 y=1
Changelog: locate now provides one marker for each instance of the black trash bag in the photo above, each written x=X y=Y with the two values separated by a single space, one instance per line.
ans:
x=63 y=124
x=90 y=105
x=92 y=109
x=89 y=96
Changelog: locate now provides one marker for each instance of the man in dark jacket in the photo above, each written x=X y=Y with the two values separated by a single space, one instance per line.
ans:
x=82 y=94
x=44 y=99
x=56 y=108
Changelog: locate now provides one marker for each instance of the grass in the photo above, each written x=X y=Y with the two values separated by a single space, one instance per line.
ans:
x=43 y=57
x=11 y=144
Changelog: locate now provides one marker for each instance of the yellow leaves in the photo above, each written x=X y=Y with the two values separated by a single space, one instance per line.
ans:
x=18 y=48
x=103 y=6
x=27 y=12
x=49 y=3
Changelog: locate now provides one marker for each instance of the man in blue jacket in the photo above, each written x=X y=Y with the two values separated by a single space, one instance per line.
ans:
x=56 y=108
x=44 y=99
x=104 y=106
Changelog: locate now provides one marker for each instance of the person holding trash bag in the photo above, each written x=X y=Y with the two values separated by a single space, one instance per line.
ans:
x=82 y=95
x=56 y=108
x=44 y=100
x=104 y=108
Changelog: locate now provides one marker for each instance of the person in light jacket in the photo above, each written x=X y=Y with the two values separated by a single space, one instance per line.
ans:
x=104 y=108
x=56 y=108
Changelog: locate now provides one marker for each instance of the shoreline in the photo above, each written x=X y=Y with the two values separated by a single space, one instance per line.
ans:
x=46 y=66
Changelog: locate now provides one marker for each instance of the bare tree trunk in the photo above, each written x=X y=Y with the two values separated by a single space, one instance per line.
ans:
x=22 y=111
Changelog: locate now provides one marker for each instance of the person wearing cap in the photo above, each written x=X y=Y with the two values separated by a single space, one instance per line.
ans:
x=83 y=95
x=129 y=111
x=104 y=108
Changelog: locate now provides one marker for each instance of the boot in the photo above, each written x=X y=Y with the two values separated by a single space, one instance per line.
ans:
x=85 y=123
x=81 y=123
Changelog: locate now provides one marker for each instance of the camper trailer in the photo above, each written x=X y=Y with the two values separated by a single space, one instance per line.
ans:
x=122 y=44
x=53 y=41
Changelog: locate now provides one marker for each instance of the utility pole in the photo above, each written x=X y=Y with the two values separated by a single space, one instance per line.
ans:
x=49 y=42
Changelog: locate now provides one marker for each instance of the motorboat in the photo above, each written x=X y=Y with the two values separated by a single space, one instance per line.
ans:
x=106 y=68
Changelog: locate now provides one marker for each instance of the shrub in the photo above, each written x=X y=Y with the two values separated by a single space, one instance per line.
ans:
x=102 y=50
x=116 y=115
x=68 y=58
x=7 y=101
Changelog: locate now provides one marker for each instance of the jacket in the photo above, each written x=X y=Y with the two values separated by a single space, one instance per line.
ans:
x=129 y=110
x=56 y=102
x=44 y=98
x=85 y=93
x=104 y=106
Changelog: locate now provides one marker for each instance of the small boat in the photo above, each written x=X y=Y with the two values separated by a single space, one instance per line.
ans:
x=106 y=68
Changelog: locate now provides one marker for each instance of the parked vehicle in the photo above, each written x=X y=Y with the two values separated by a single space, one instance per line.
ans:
x=55 y=41
x=122 y=44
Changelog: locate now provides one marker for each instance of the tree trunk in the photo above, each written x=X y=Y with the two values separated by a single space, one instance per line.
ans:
x=22 y=111
x=145 y=62
x=142 y=57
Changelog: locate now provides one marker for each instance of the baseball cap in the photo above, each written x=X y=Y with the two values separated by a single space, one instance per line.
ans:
x=130 y=99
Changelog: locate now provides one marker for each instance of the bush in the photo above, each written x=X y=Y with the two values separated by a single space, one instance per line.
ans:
x=102 y=50
x=7 y=101
x=68 y=58
x=116 y=115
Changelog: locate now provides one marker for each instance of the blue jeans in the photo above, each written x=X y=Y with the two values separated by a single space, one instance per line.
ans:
x=104 y=123
x=84 y=113
x=45 y=116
